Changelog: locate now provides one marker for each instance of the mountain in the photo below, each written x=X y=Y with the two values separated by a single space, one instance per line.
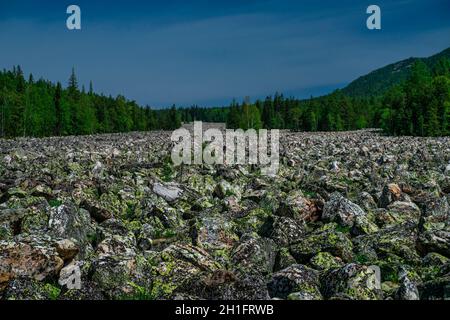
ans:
x=380 y=80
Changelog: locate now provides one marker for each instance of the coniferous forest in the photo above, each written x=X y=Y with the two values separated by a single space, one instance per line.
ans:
x=419 y=105
x=40 y=108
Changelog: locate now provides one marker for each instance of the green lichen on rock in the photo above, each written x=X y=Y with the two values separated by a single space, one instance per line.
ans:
x=140 y=228
x=326 y=239
x=325 y=261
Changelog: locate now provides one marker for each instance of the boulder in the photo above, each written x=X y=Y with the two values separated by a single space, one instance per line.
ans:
x=66 y=249
x=341 y=210
x=169 y=192
x=391 y=193
x=296 y=279
x=353 y=281
x=326 y=239
x=31 y=258
x=255 y=255
x=286 y=231
x=69 y=222
x=299 y=208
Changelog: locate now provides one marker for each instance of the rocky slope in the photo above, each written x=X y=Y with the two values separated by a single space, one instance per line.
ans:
x=137 y=228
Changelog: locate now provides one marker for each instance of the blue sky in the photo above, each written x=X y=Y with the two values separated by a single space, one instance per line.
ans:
x=209 y=52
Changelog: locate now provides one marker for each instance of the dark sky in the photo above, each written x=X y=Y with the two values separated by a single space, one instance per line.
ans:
x=209 y=52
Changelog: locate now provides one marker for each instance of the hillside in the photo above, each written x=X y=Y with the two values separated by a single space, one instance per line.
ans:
x=379 y=81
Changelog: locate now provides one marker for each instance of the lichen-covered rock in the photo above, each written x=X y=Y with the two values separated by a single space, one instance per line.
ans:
x=434 y=259
x=284 y=259
x=224 y=189
x=341 y=210
x=396 y=244
x=326 y=239
x=170 y=217
x=226 y=285
x=399 y=212
x=214 y=231
x=364 y=224
x=366 y=201
x=436 y=289
x=391 y=193
x=325 y=261
x=69 y=222
x=89 y=291
x=32 y=258
x=66 y=249
x=436 y=241
x=168 y=192
x=298 y=279
x=354 y=281
x=408 y=288
x=255 y=255
x=177 y=267
x=111 y=274
x=138 y=227
x=297 y=207
x=114 y=265
x=252 y=220
x=435 y=236
x=97 y=211
x=24 y=288
x=286 y=231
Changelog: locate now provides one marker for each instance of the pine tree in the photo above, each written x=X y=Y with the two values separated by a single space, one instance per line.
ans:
x=57 y=131
x=20 y=80
x=417 y=89
x=440 y=96
x=268 y=113
x=174 y=118
x=73 y=86
x=233 y=116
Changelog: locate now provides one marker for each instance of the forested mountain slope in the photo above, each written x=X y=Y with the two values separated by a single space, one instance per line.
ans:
x=379 y=81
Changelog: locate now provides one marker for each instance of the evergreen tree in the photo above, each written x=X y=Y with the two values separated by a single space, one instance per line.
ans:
x=268 y=113
x=57 y=131
x=174 y=119
x=233 y=116
x=73 y=86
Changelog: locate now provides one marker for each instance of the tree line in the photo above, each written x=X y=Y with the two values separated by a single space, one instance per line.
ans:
x=41 y=108
x=419 y=106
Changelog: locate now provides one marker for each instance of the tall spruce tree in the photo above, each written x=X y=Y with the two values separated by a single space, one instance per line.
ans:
x=57 y=131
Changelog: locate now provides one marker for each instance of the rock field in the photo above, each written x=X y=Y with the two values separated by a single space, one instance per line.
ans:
x=115 y=208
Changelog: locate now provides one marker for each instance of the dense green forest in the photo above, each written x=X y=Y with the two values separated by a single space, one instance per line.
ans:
x=40 y=108
x=418 y=105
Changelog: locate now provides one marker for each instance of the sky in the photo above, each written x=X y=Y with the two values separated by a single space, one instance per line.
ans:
x=201 y=52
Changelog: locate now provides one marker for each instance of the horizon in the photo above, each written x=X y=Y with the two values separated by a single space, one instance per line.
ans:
x=225 y=51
